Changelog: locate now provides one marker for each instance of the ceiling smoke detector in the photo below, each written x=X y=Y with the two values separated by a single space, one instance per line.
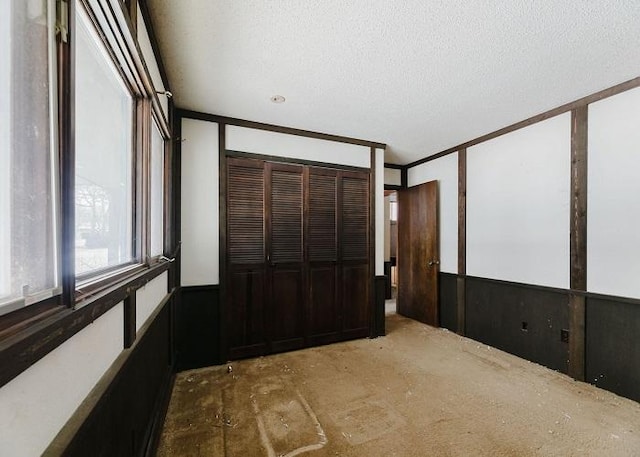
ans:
x=278 y=99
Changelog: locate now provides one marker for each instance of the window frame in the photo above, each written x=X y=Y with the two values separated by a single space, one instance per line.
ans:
x=58 y=318
x=87 y=281
x=51 y=295
x=157 y=125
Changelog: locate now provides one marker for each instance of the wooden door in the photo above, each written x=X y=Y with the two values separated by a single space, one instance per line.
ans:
x=354 y=253
x=418 y=253
x=246 y=255
x=284 y=214
x=323 y=318
x=297 y=258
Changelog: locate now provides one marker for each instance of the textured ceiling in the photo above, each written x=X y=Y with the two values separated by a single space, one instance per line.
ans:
x=421 y=76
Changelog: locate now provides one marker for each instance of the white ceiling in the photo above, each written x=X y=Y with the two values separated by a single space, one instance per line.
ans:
x=419 y=75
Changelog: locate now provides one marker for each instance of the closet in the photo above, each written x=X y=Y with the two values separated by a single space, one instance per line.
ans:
x=297 y=256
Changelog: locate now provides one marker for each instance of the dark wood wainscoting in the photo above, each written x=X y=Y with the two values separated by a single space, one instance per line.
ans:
x=613 y=344
x=197 y=327
x=525 y=320
x=448 y=301
x=123 y=414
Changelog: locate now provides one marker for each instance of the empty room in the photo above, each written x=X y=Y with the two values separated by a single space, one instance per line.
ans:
x=319 y=228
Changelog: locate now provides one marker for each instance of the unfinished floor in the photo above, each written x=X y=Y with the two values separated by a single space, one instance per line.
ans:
x=419 y=391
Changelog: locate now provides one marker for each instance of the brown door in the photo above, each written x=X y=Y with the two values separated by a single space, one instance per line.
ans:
x=284 y=213
x=297 y=256
x=418 y=256
x=246 y=266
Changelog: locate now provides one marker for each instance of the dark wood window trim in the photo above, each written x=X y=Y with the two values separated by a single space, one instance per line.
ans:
x=24 y=347
x=580 y=103
x=30 y=333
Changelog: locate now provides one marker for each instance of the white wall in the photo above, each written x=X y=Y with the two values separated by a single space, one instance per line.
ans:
x=200 y=203
x=297 y=147
x=149 y=58
x=387 y=229
x=392 y=177
x=518 y=205
x=149 y=297
x=445 y=171
x=35 y=405
x=379 y=205
x=613 y=213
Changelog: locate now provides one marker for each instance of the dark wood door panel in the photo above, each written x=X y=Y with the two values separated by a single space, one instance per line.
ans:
x=324 y=314
x=245 y=212
x=355 y=216
x=322 y=235
x=246 y=313
x=355 y=297
x=285 y=213
x=306 y=230
x=418 y=255
x=286 y=309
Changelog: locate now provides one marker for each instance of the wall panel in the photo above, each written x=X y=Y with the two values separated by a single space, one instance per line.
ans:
x=200 y=202
x=36 y=404
x=518 y=205
x=613 y=246
x=524 y=320
x=379 y=187
x=392 y=177
x=149 y=297
x=282 y=145
x=445 y=171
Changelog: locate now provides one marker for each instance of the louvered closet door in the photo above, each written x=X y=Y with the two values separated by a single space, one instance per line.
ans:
x=323 y=322
x=246 y=255
x=286 y=256
x=354 y=253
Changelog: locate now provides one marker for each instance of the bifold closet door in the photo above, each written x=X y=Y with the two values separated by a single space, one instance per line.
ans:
x=246 y=290
x=285 y=255
x=324 y=313
x=354 y=241
x=297 y=258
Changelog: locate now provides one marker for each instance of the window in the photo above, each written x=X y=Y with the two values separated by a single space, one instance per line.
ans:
x=104 y=183
x=28 y=185
x=157 y=192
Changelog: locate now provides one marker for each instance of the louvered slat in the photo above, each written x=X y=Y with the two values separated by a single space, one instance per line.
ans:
x=245 y=214
x=322 y=238
x=286 y=216
x=355 y=218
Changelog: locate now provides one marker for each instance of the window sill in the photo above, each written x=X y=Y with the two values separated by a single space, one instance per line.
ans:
x=26 y=341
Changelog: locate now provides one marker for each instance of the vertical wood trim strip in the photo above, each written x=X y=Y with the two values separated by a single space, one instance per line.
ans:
x=130 y=320
x=222 y=250
x=66 y=112
x=462 y=212
x=403 y=177
x=372 y=243
x=578 y=242
x=461 y=295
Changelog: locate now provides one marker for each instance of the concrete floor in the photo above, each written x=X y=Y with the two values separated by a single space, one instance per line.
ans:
x=419 y=391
